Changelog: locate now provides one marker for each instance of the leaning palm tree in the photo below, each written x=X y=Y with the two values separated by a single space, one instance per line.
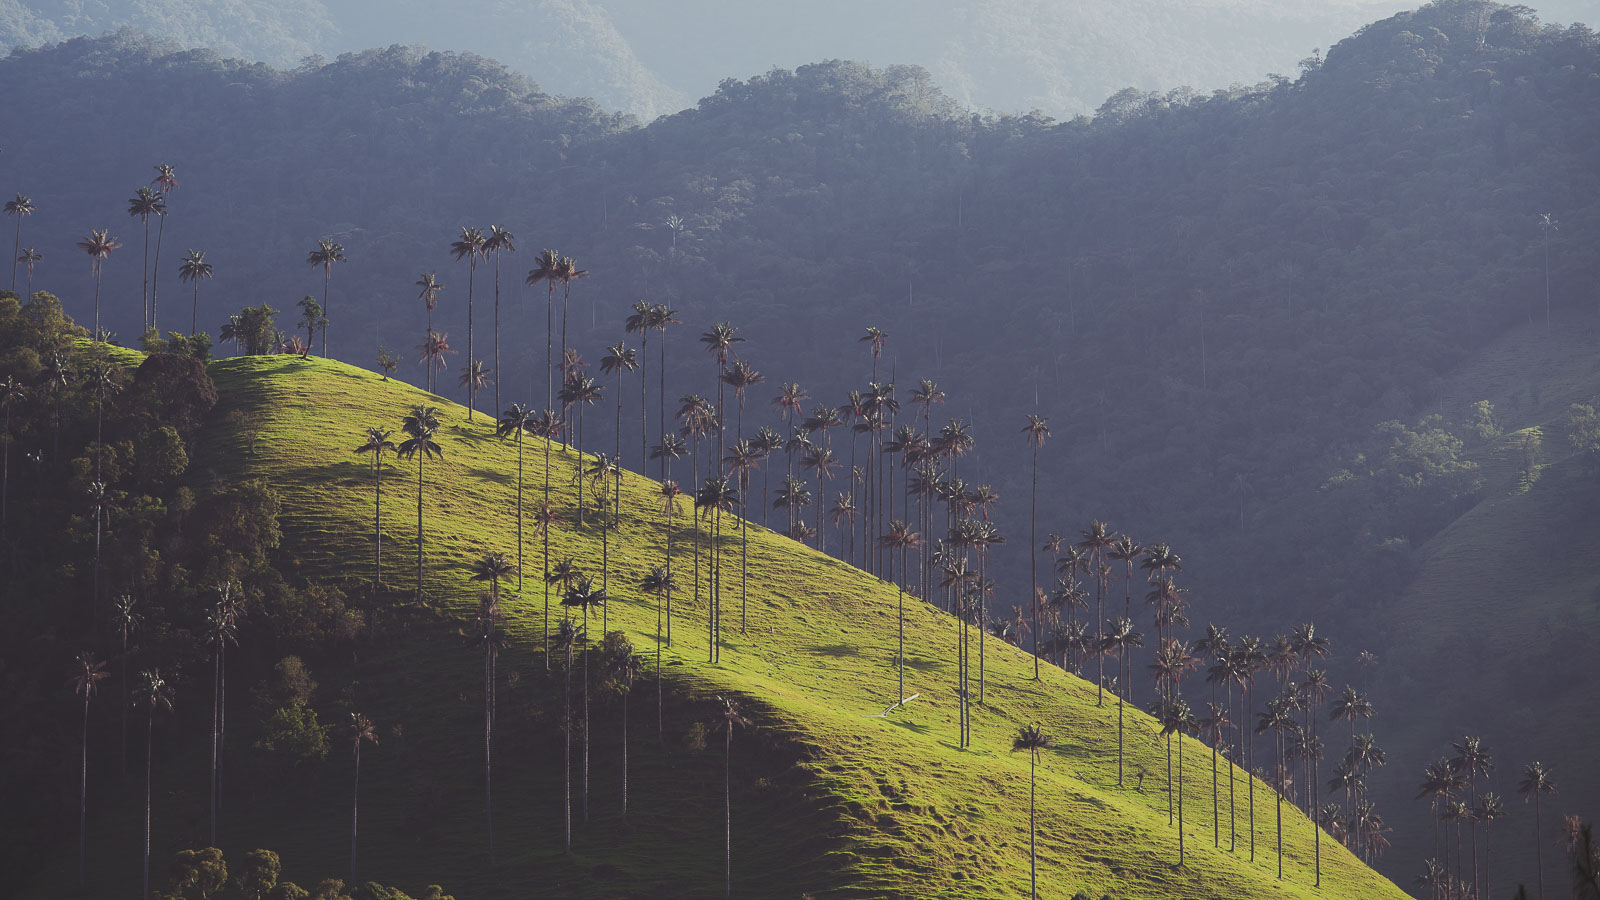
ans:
x=498 y=241
x=429 y=286
x=584 y=593
x=1535 y=784
x=361 y=731
x=155 y=695
x=1031 y=739
x=85 y=681
x=324 y=255
x=145 y=203
x=420 y=426
x=99 y=244
x=728 y=718
x=514 y=422
x=18 y=208
x=378 y=443
x=194 y=270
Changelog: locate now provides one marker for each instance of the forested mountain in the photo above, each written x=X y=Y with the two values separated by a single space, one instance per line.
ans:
x=1235 y=307
x=649 y=58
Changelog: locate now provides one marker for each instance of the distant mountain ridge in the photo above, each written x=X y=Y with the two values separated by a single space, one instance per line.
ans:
x=648 y=58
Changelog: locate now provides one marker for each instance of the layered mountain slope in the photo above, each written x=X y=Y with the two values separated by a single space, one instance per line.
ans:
x=828 y=798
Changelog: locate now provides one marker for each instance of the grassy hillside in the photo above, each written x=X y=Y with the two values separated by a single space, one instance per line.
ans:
x=1508 y=596
x=827 y=799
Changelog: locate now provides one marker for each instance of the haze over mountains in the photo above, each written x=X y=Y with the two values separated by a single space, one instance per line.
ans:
x=649 y=58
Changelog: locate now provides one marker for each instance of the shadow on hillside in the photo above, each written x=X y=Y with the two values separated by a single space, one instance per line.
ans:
x=836 y=651
x=500 y=478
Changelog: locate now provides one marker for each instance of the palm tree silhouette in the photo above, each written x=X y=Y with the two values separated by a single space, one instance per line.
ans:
x=1214 y=726
x=567 y=637
x=619 y=358
x=623 y=668
x=490 y=567
x=99 y=244
x=1473 y=760
x=658 y=582
x=470 y=247
x=546 y=270
x=1177 y=720
x=1490 y=807
x=361 y=731
x=514 y=422
x=740 y=460
x=716 y=495
x=1535 y=784
x=147 y=202
x=420 y=426
x=155 y=695
x=670 y=492
x=221 y=629
x=1120 y=642
x=19 y=207
x=475 y=376
x=583 y=593
x=1097 y=539
x=579 y=390
x=498 y=241
x=195 y=269
x=126 y=619
x=1031 y=739
x=900 y=537
x=1278 y=719
x=728 y=718
x=166 y=181
x=434 y=348
x=87 y=675
x=324 y=255
x=29 y=257
x=1037 y=431
x=378 y=443
x=428 y=286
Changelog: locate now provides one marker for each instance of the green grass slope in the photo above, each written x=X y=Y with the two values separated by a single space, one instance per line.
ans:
x=1507 y=598
x=827 y=799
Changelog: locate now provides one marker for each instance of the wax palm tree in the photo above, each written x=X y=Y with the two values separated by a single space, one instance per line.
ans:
x=194 y=270
x=515 y=422
x=1352 y=706
x=1177 y=720
x=498 y=241
x=767 y=442
x=472 y=247
x=716 y=496
x=434 y=349
x=99 y=244
x=428 y=288
x=146 y=202
x=127 y=620
x=741 y=376
x=843 y=515
x=619 y=358
x=155 y=695
x=579 y=391
x=547 y=271
x=741 y=459
x=728 y=718
x=547 y=425
x=18 y=208
x=1440 y=782
x=1031 y=739
x=984 y=537
x=29 y=257
x=361 y=732
x=1535 y=784
x=221 y=629
x=1472 y=760
x=584 y=593
x=420 y=427
x=658 y=582
x=567 y=637
x=1096 y=540
x=567 y=272
x=490 y=567
x=719 y=343
x=822 y=461
x=1037 y=431
x=878 y=339
x=166 y=181
x=622 y=669
x=323 y=256
x=1214 y=726
x=1172 y=662
x=87 y=675
x=900 y=537
x=1278 y=719
x=670 y=493
x=792 y=495
x=602 y=472
x=1120 y=641
x=475 y=376
x=1490 y=807
x=790 y=402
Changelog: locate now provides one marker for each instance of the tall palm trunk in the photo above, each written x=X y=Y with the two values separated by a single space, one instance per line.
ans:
x=472 y=357
x=1100 y=628
x=496 y=330
x=644 y=400
x=1279 y=793
x=194 y=313
x=355 y=812
x=488 y=728
x=145 y=292
x=566 y=758
x=1179 y=739
x=216 y=712
x=727 y=811
x=672 y=506
x=16 y=254
x=377 y=526
x=661 y=728
x=1033 y=568
x=83 y=795
x=549 y=330
x=5 y=475
x=155 y=282
x=422 y=455
x=1216 y=811
x=544 y=529
x=627 y=689
x=519 y=509
x=586 y=644
x=149 y=746
x=1033 y=847
x=983 y=616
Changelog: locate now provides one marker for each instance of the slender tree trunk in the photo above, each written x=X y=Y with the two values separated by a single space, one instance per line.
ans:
x=149 y=747
x=1033 y=847
x=1178 y=738
x=1279 y=793
x=1033 y=568
x=216 y=712
x=145 y=293
x=549 y=330
x=983 y=617
x=727 y=811
x=544 y=529
x=421 y=455
x=672 y=506
x=194 y=313
x=472 y=383
x=327 y=275
x=1250 y=774
x=661 y=728
x=355 y=812
x=566 y=759
x=377 y=526
x=496 y=409
x=16 y=252
x=644 y=400
x=586 y=644
x=83 y=789
x=627 y=689
x=519 y=509
x=488 y=736
x=155 y=279
x=97 y=336
x=1100 y=629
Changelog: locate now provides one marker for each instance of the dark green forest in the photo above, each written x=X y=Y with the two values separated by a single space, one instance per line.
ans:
x=1234 y=307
